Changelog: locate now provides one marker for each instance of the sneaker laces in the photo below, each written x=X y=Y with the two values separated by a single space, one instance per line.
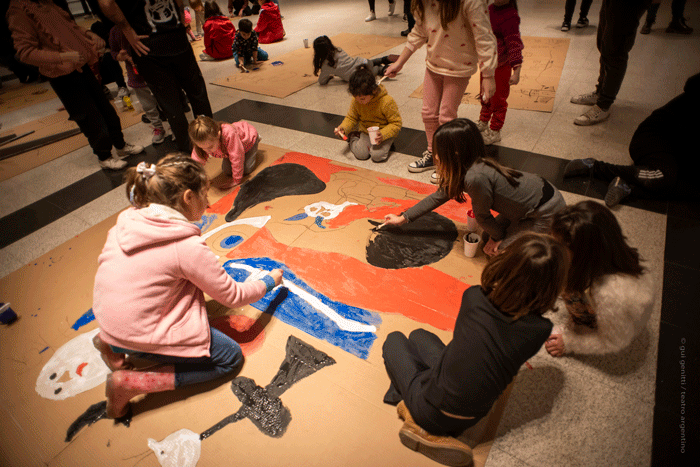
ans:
x=427 y=155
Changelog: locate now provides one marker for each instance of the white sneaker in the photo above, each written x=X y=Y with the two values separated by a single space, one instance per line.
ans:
x=158 y=136
x=122 y=92
x=113 y=163
x=392 y=7
x=590 y=98
x=129 y=150
x=371 y=17
x=434 y=179
x=594 y=115
x=482 y=125
x=491 y=136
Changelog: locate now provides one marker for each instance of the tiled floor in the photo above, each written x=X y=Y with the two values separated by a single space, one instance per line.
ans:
x=621 y=410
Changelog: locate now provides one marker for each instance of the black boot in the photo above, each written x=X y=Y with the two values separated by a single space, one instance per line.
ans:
x=651 y=18
x=678 y=26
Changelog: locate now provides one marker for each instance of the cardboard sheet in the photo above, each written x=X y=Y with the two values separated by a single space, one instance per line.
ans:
x=543 y=62
x=337 y=414
x=296 y=71
x=47 y=126
x=15 y=95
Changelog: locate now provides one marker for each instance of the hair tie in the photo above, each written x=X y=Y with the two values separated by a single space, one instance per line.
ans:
x=146 y=170
x=131 y=195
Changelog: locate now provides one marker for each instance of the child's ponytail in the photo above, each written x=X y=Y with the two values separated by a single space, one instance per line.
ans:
x=164 y=182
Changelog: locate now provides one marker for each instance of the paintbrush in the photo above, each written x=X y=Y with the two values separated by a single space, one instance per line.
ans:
x=377 y=225
x=381 y=79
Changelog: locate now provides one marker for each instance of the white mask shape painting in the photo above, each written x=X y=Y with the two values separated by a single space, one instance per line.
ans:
x=179 y=449
x=83 y=363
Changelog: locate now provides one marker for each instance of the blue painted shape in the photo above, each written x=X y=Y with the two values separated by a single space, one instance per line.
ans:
x=206 y=222
x=319 y=222
x=276 y=63
x=295 y=311
x=44 y=350
x=298 y=217
x=87 y=317
x=231 y=241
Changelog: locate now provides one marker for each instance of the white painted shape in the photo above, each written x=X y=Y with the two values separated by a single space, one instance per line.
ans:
x=326 y=210
x=258 y=222
x=179 y=449
x=343 y=323
x=67 y=358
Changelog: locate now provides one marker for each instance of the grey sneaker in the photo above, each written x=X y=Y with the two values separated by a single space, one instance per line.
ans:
x=594 y=115
x=579 y=168
x=434 y=179
x=113 y=163
x=129 y=150
x=423 y=164
x=590 y=98
x=617 y=191
x=491 y=136
x=158 y=136
x=482 y=125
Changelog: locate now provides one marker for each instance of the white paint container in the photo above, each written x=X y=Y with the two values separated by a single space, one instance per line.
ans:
x=373 y=134
x=471 y=221
x=471 y=244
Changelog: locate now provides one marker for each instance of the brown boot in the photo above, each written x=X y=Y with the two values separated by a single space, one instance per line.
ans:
x=124 y=385
x=443 y=449
x=114 y=361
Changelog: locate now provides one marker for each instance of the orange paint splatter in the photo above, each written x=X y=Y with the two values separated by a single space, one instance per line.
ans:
x=224 y=204
x=422 y=294
x=248 y=332
x=79 y=370
x=318 y=165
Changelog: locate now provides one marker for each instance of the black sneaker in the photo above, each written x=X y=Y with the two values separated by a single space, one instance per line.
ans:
x=145 y=119
x=423 y=164
x=617 y=191
x=579 y=168
x=582 y=22
x=565 y=26
x=405 y=32
x=678 y=26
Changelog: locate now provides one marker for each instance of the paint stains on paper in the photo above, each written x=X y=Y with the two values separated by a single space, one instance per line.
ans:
x=76 y=354
x=263 y=406
x=93 y=414
x=423 y=241
x=179 y=449
x=230 y=242
x=350 y=328
x=206 y=221
x=275 y=182
x=86 y=318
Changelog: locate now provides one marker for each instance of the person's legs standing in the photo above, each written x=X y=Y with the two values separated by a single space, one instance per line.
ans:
x=499 y=102
x=432 y=96
x=569 y=8
x=585 y=8
x=150 y=108
x=452 y=93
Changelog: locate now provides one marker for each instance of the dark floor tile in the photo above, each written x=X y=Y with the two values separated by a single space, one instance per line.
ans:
x=682 y=236
x=411 y=142
x=680 y=304
x=678 y=371
x=688 y=209
x=29 y=219
x=674 y=440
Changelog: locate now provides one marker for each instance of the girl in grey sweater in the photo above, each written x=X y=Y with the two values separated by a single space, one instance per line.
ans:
x=523 y=201
x=332 y=61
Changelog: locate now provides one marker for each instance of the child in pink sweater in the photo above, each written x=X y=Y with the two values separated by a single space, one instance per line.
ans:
x=235 y=143
x=149 y=288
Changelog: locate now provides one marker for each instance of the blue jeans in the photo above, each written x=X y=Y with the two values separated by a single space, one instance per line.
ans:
x=226 y=356
x=262 y=56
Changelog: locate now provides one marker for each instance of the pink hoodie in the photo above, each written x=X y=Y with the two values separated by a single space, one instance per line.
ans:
x=150 y=284
x=238 y=138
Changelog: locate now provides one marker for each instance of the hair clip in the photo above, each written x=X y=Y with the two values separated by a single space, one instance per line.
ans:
x=146 y=170
x=131 y=195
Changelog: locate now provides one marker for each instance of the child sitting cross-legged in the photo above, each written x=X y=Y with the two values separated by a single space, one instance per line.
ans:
x=149 y=288
x=219 y=33
x=371 y=107
x=245 y=46
x=235 y=143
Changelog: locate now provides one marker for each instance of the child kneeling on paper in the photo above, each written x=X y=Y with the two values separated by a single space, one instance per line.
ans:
x=371 y=107
x=245 y=46
x=235 y=143
x=219 y=33
x=269 y=26
x=149 y=288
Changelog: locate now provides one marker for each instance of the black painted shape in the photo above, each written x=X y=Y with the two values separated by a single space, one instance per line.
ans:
x=423 y=241
x=274 y=182
x=263 y=405
x=94 y=413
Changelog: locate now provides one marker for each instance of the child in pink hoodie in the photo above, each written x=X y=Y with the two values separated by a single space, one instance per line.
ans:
x=235 y=143
x=149 y=288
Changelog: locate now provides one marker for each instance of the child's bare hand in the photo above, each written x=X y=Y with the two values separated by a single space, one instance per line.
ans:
x=71 y=56
x=515 y=77
x=276 y=274
x=393 y=219
x=488 y=87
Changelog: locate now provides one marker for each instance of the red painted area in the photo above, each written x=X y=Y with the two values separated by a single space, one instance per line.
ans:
x=418 y=187
x=422 y=294
x=248 y=332
x=79 y=370
x=323 y=168
x=268 y=207
x=224 y=204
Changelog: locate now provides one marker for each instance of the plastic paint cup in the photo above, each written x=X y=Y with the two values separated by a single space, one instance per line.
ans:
x=306 y=43
x=471 y=244
x=7 y=314
x=373 y=134
x=471 y=221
